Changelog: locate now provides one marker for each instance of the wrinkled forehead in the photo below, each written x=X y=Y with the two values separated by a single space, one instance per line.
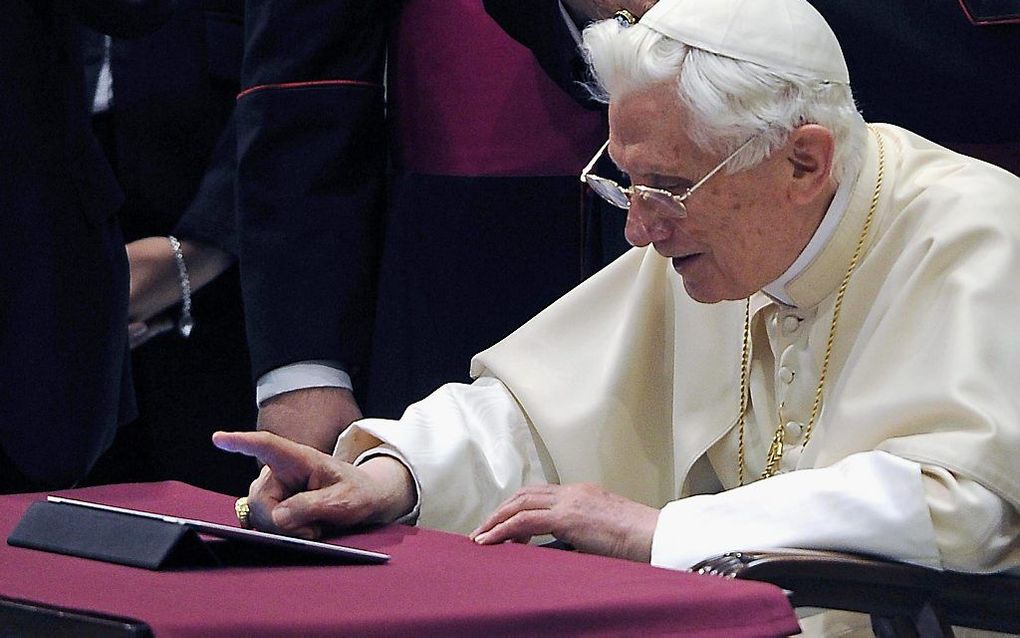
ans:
x=648 y=131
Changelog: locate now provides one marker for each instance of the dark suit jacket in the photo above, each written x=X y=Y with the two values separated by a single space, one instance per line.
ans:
x=921 y=65
x=174 y=90
x=63 y=276
x=311 y=167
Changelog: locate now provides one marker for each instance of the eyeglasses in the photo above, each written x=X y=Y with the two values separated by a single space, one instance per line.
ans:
x=620 y=196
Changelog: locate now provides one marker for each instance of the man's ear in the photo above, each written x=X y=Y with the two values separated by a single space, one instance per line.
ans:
x=810 y=153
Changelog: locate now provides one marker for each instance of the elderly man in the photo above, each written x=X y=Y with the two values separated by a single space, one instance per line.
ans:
x=811 y=346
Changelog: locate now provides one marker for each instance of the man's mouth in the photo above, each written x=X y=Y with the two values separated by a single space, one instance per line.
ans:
x=680 y=262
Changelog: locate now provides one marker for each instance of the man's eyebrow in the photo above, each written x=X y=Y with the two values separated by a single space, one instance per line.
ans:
x=654 y=178
x=656 y=175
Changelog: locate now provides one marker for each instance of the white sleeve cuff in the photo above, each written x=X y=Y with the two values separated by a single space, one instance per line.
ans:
x=300 y=376
x=469 y=447
x=872 y=503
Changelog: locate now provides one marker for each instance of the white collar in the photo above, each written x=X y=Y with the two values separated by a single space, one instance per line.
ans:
x=838 y=206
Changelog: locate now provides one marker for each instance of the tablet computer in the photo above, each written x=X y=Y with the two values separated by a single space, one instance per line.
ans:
x=290 y=543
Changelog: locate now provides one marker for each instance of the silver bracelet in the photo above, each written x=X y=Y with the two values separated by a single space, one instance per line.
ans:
x=185 y=323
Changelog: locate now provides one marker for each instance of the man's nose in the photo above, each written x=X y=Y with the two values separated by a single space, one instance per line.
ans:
x=644 y=226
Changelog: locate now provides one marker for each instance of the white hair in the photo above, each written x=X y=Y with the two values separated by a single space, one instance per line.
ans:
x=728 y=100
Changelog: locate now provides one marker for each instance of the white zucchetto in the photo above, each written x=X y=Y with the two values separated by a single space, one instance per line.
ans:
x=787 y=35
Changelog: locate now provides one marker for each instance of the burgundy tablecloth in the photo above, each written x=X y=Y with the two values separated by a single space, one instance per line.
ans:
x=435 y=584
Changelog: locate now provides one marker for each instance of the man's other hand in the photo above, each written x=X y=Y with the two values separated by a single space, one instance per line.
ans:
x=312 y=416
x=301 y=490
x=585 y=515
x=602 y=9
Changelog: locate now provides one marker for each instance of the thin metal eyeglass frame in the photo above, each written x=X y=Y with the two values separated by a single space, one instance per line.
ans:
x=645 y=191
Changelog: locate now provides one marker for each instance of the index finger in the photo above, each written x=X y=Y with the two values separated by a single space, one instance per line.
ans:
x=291 y=462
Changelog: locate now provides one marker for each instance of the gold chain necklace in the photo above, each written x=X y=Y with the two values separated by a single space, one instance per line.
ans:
x=775 y=453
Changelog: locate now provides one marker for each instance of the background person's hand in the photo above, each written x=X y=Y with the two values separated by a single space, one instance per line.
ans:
x=601 y=9
x=312 y=416
x=585 y=515
x=140 y=332
x=301 y=490
x=155 y=284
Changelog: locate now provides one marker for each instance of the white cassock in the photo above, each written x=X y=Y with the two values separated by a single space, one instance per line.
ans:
x=628 y=383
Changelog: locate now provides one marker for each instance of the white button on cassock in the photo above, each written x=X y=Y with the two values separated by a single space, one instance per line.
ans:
x=790 y=324
x=786 y=375
x=793 y=430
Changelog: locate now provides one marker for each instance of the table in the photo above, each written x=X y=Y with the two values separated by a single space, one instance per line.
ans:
x=436 y=584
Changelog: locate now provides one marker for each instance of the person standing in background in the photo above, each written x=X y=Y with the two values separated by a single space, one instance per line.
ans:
x=65 y=380
x=161 y=110
x=482 y=156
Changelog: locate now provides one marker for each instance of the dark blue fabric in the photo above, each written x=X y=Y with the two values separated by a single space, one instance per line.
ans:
x=311 y=165
x=63 y=276
x=172 y=146
x=467 y=260
x=925 y=67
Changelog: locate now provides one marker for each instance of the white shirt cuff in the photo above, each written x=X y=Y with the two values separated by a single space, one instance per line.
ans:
x=872 y=503
x=300 y=376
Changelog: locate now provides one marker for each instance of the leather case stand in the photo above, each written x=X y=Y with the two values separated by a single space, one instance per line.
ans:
x=111 y=537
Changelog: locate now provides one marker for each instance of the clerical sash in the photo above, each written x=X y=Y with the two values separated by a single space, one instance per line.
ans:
x=466 y=99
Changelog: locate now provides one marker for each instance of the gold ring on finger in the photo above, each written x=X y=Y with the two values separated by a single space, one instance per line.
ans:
x=243 y=512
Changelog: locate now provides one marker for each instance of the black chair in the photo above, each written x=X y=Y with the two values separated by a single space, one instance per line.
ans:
x=903 y=600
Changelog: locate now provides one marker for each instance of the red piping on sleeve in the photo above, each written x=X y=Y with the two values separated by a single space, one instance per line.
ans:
x=301 y=85
x=1006 y=19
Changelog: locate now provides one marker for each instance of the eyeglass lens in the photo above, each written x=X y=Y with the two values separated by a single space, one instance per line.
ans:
x=609 y=191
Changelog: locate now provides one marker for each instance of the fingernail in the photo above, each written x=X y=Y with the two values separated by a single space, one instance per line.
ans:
x=282 y=517
x=481 y=538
